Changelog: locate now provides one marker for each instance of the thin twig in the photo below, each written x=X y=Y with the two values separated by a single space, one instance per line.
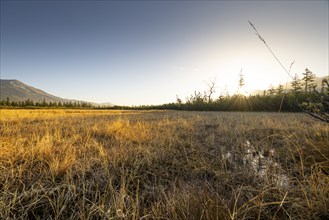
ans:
x=285 y=88
x=277 y=59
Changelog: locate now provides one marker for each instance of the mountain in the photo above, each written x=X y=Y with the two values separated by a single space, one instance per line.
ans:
x=18 y=91
x=317 y=81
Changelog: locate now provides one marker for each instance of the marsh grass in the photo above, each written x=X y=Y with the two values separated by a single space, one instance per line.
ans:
x=77 y=164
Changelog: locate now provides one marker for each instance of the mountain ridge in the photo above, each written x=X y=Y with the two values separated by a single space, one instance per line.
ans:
x=317 y=81
x=16 y=91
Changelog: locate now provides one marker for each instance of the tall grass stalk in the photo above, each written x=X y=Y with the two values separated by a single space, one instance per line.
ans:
x=81 y=164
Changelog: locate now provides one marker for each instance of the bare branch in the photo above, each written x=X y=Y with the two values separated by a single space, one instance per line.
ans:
x=211 y=88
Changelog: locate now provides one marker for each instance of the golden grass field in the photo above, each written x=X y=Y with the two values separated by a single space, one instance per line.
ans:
x=93 y=164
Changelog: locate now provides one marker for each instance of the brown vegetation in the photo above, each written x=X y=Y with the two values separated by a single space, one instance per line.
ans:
x=89 y=164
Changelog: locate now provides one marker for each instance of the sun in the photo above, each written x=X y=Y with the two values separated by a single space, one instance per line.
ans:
x=254 y=81
x=244 y=93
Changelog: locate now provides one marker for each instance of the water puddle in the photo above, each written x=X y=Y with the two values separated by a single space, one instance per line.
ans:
x=261 y=162
x=264 y=165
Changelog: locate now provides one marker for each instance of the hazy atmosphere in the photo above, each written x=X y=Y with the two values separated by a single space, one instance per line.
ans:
x=134 y=53
x=180 y=110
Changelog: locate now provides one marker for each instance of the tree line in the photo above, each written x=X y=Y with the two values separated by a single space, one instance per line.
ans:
x=304 y=95
x=28 y=103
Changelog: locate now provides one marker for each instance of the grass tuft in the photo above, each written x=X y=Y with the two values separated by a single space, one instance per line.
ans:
x=84 y=164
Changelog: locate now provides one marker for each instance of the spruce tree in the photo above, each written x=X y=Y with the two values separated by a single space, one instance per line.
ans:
x=308 y=79
x=280 y=89
x=296 y=85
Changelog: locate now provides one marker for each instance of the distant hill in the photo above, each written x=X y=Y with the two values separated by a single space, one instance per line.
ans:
x=317 y=80
x=18 y=91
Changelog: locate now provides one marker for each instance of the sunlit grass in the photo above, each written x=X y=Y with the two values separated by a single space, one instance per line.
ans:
x=84 y=164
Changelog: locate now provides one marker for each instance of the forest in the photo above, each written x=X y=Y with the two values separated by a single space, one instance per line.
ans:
x=302 y=93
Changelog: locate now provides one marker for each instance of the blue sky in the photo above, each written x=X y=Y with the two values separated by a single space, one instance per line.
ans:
x=133 y=53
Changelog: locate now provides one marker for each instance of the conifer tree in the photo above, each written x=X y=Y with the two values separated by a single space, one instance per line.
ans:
x=241 y=81
x=308 y=79
x=280 y=89
x=296 y=85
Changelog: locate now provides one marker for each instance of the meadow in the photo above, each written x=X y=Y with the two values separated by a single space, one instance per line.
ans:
x=106 y=164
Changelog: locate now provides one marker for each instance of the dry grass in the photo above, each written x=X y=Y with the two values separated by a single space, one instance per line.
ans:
x=76 y=164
